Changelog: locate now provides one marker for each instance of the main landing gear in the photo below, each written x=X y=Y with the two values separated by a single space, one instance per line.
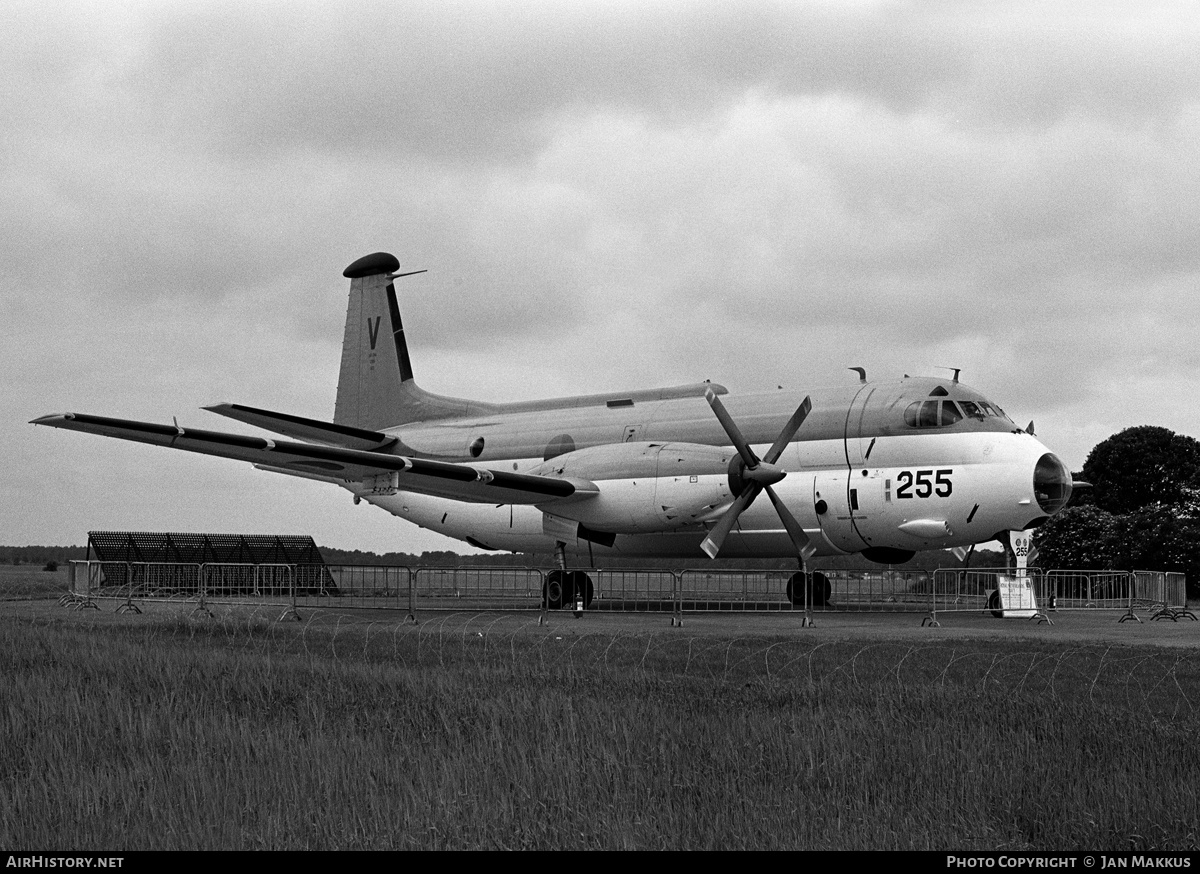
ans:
x=815 y=593
x=564 y=588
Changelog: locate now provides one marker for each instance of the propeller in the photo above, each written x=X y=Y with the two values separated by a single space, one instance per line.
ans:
x=757 y=475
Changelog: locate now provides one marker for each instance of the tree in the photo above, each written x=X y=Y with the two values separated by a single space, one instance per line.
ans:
x=1144 y=466
x=1143 y=511
x=1157 y=538
x=1080 y=538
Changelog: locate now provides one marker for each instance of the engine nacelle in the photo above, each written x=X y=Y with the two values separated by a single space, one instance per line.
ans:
x=644 y=487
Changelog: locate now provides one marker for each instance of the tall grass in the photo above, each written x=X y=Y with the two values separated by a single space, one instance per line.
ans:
x=172 y=733
x=28 y=582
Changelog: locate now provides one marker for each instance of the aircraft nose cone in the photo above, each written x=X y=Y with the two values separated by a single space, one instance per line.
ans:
x=1051 y=483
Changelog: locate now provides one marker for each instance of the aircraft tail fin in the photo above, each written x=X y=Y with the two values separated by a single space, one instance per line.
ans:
x=376 y=389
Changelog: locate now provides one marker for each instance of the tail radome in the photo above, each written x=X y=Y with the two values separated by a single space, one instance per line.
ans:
x=376 y=389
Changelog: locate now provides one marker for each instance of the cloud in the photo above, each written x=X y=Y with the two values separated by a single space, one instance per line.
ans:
x=605 y=196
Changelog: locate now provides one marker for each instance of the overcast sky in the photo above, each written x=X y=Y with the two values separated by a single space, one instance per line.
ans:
x=606 y=196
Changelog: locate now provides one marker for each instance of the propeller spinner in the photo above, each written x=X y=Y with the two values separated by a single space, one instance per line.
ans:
x=758 y=475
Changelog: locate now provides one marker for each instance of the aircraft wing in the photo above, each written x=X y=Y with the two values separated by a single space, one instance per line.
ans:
x=459 y=482
x=304 y=429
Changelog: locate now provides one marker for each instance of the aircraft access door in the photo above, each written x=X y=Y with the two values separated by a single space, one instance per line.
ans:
x=858 y=445
x=851 y=496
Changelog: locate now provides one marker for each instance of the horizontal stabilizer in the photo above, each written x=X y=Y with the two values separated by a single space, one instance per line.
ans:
x=304 y=429
x=458 y=482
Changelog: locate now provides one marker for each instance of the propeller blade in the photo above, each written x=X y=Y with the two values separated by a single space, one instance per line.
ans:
x=804 y=547
x=758 y=475
x=789 y=431
x=712 y=543
x=735 y=435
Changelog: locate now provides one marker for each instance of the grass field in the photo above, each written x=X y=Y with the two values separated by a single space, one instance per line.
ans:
x=25 y=582
x=164 y=731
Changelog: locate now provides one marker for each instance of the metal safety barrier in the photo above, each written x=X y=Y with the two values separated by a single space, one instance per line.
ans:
x=635 y=591
x=1088 y=590
x=440 y=589
x=883 y=591
x=380 y=586
x=741 y=591
x=1158 y=593
x=478 y=588
x=974 y=589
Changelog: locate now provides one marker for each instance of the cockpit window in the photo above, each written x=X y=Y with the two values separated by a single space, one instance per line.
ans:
x=940 y=414
x=931 y=414
x=972 y=409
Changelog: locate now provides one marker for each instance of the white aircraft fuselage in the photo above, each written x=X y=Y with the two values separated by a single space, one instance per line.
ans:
x=857 y=476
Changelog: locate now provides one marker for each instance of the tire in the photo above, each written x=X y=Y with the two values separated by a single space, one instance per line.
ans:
x=560 y=587
x=552 y=590
x=993 y=604
x=818 y=594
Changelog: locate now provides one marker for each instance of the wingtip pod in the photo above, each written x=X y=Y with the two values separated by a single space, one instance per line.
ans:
x=53 y=420
x=372 y=265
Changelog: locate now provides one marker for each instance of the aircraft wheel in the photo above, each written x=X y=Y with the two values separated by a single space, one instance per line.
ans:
x=584 y=583
x=795 y=589
x=993 y=604
x=561 y=586
x=819 y=593
x=552 y=590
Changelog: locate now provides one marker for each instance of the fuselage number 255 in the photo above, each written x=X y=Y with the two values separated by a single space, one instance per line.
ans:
x=923 y=483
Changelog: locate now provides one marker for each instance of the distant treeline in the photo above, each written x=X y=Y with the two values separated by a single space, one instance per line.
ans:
x=445 y=558
x=40 y=554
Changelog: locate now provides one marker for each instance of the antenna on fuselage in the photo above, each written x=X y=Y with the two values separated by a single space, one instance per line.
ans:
x=861 y=371
x=957 y=370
